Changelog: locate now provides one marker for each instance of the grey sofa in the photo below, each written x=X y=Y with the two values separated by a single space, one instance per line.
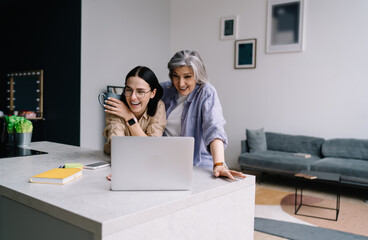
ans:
x=287 y=154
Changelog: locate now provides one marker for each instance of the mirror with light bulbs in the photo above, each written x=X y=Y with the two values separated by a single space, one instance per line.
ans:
x=25 y=94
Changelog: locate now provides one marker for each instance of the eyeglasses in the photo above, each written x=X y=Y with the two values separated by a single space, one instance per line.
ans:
x=128 y=92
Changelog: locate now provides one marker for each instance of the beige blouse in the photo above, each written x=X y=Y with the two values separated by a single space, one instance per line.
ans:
x=152 y=126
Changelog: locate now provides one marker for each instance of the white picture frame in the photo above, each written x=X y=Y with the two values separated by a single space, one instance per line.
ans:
x=285 y=26
x=245 y=53
x=229 y=28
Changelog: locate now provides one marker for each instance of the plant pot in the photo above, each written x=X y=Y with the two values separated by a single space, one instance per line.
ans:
x=11 y=139
x=23 y=139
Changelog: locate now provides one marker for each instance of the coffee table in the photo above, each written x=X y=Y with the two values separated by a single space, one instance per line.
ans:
x=305 y=177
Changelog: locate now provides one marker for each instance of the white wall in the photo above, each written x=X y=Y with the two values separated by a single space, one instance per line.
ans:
x=319 y=92
x=118 y=35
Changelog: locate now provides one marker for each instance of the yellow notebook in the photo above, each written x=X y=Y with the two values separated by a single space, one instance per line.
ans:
x=57 y=176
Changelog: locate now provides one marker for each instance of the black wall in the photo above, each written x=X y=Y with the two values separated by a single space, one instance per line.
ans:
x=45 y=34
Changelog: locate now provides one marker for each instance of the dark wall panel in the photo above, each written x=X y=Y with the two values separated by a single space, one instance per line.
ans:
x=46 y=35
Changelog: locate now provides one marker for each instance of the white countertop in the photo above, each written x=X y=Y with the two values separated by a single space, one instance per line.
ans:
x=88 y=201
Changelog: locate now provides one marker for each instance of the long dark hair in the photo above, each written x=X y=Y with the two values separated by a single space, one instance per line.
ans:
x=149 y=76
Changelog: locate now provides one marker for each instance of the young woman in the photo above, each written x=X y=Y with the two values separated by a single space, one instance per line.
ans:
x=139 y=112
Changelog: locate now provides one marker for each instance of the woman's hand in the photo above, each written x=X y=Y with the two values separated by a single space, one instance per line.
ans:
x=108 y=177
x=217 y=152
x=225 y=172
x=118 y=108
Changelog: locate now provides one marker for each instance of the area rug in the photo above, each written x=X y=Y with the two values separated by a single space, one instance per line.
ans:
x=279 y=206
x=298 y=231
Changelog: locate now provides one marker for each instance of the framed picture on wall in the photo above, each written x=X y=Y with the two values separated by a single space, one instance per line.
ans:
x=285 y=31
x=229 y=27
x=245 y=53
x=115 y=89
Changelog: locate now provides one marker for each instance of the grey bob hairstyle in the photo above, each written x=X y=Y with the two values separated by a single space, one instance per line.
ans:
x=191 y=59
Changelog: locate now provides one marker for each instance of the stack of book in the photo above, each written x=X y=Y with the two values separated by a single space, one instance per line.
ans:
x=303 y=155
x=57 y=176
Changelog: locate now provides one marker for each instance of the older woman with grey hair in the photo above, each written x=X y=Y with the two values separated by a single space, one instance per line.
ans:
x=193 y=109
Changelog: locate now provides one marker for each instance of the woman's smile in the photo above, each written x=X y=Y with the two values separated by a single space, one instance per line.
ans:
x=184 y=80
x=135 y=103
x=134 y=87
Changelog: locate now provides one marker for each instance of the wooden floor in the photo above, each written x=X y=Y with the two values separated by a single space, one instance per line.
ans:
x=264 y=236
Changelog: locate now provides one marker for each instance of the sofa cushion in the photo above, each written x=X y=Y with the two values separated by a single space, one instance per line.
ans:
x=346 y=148
x=356 y=168
x=256 y=140
x=294 y=143
x=275 y=160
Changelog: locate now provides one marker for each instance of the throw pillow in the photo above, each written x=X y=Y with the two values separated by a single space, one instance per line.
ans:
x=256 y=140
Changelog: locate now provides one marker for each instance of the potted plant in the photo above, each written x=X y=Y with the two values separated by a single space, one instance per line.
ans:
x=10 y=129
x=19 y=130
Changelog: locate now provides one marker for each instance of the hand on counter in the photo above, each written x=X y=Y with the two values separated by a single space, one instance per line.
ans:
x=108 y=177
x=222 y=171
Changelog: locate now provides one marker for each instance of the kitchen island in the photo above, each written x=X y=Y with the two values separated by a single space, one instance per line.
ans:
x=86 y=208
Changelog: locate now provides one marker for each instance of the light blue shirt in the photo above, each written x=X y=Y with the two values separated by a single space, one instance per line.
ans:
x=202 y=119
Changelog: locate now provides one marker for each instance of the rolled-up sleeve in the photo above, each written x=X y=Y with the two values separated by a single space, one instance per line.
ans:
x=213 y=121
x=114 y=127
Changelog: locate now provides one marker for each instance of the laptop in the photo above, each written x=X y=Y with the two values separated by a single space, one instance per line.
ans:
x=151 y=163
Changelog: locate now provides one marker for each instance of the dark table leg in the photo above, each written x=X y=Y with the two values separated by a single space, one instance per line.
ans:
x=299 y=185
